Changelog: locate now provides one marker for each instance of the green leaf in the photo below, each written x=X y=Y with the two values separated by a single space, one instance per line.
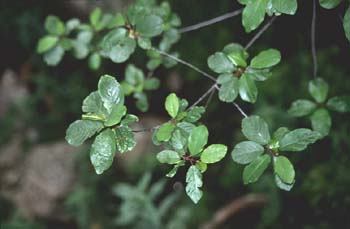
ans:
x=129 y=119
x=201 y=166
x=194 y=114
x=254 y=14
x=282 y=185
x=229 y=88
x=81 y=130
x=134 y=75
x=178 y=141
x=94 y=117
x=93 y=104
x=165 y=131
x=256 y=168
x=298 y=140
x=172 y=104
x=198 y=139
x=168 y=157
x=186 y=127
x=258 y=74
x=110 y=92
x=95 y=16
x=194 y=182
x=46 y=43
x=339 y=103
x=285 y=6
x=122 y=50
x=142 y=102
x=149 y=25
x=124 y=139
x=247 y=89
x=173 y=171
x=235 y=47
x=279 y=133
x=346 y=23
x=54 y=25
x=321 y=121
x=318 y=89
x=103 y=151
x=144 y=43
x=213 y=153
x=246 y=151
x=54 y=55
x=116 y=115
x=219 y=63
x=284 y=169
x=116 y=21
x=94 y=61
x=237 y=59
x=301 y=107
x=266 y=59
x=256 y=129
x=151 y=84
x=330 y=4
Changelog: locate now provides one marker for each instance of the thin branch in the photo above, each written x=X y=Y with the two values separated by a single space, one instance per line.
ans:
x=313 y=42
x=209 y=99
x=258 y=34
x=214 y=86
x=240 y=110
x=185 y=63
x=211 y=21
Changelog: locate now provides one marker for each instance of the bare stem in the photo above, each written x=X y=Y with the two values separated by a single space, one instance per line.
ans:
x=313 y=42
x=211 y=21
x=214 y=86
x=240 y=110
x=258 y=34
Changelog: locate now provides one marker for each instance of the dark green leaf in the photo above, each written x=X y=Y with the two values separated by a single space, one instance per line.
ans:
x=282 y=185
x=346 y=23
x=301 y=107
x=256 y=129
x=151 y=84
x=256 y=168
x=258 y=74
x=168 y=157
x=219 y=63
x=116 y=115
x=247 y=89
x=330 y=4
x=245 y=152
x=81 y=130
x=141 y=101
x=298 y=140
x=266 y=59
x=110 y=92
x=229 y=87
x=321 y=121
x=254 y=14
x=213 y=153
x=279 y=133
x=284 y=169
x=339 y=103
x=149 y=25
x=285 y=6
x=198 y=139
x=318 y=89
x=93 y=104
x=124 y=139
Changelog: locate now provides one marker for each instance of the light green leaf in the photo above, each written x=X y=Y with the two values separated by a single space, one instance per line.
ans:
x=213 y=153
x=172 y=104
x=151 y=84
x=229 y=88
x=122 y=50
x=141 y=101
x=246 y=151
x=237 y=58
x=168 y=157
x=266 y=59
x=258 y=74
x=81 y=130
x=54 y=25
x=282 y=185
x=186 y=127
x=284 y=169
x=94 y=61
x=110 y=92
x=178 y=141
x=194 y=182
x=54 y=55
x=201 y=166
x=46 y=43
x=116 y=21
x=103 y=151
x=346 y=23
x=95 y=16
x=298 y=140
x=318 y=89
x=194 y=114
x=285 y=6
x=330 y=4
x=339 y=103
x=165 y=131
x=149 y=25
x=219 y=63
x=256 y=129
x=254 y=14
x=134 y=75
x=117 y=113
x=198 y=139
x=279 y=133
x=256 y=168
x=124 y=139
x=144 y=43
x=321 y=121
x=301 y=107
x=173 y=171
x=129 y=119
x=247 y=89
x=93 y=104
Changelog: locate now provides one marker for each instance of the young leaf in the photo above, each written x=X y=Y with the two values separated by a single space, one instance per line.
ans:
x=110 y=92
x=124 y=139
x=255 y=169
x=168 y=157
x=103 y=151
x=246 y=151
x=194 y=182
x=117 y=113
x=254 y=14
x=339 y=103
x=284 y=169
x=298 y=140
x=301 y=107
x=247 y=88
x=266 y=59
x=213 y=153
x=81 y=130
x=219 y=63
x=282 y=185
x=46 y=43
x=201 y=166
x=321 y=121
x=165 y=131
x=256 y=129
x=172 y=104
x=279 y=133
x=198 y=139
x=318 y=89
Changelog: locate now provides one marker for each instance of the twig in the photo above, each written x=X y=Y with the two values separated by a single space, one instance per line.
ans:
x=258 y=34
x=185 y=63
x=313 y=42
x=209 y=99
x=223 y=214
x=211 y=21
x=240 y=110
x=214 y=86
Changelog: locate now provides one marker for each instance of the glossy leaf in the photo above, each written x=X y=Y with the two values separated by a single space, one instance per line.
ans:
x=168 y=157
x=298 y=140
x=165 y=131
x=116 y=115
x=194 y=182
x=255 y=169
x=246 y=151
x=124 y=139
x=172 y=104
x=110 y=92
x=330 y=4
x=198 y=139
x=247 y=89
x=321 y=121
x=81 y=130
x=213 y=153
x=254 y=14
x=256 y=129
x=339 y=103
x=318 y=89
x=149 y=25
x=266 y=59
x=284 y=169
x=301 y=107
x=219 y=63
x=285 y=6
x=93 y=104
x=229 y=88
x=282 y=185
